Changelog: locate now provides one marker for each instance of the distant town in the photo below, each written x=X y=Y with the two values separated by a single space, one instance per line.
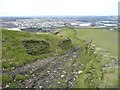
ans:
x=49 y=24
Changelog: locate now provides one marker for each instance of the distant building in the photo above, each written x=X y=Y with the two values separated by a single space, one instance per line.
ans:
x=74 y=24
x=85 y=24
x=14 y=29
x=110 y=25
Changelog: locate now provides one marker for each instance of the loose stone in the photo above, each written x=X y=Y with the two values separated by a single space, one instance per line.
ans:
x=62 y=75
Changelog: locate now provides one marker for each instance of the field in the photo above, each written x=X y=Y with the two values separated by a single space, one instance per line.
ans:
x=102 y=38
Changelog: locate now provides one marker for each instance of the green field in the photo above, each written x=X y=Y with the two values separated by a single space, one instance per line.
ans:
x=102 y=38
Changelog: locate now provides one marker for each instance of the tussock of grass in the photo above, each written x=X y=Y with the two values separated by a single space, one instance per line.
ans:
x=36 y=47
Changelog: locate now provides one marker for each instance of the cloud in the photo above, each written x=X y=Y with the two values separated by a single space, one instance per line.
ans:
x=58 y=7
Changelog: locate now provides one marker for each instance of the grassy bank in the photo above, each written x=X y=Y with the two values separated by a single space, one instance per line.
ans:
x=90 y=65
x=15 y=53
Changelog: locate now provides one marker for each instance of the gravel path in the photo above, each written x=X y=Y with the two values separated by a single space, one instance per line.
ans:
x=50 y=72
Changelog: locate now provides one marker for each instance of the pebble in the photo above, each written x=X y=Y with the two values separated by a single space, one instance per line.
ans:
x=62 y=75
x=33 y=69
x=73 y=79
x=10 y=62
x=33 y=66
x=47 y=81
x=74 y=52
x=80 y=72
x=13 y=67
x=75 y=72
x=74 y=56
x=70 y=83
x=48 y=71
x=30 y=71
x=36 y=65
x=59 y=82
x=26 y=75
x=40 y=86
x=7 y=86
x=76 y=76
x=28 y=65
x=64 y=72
x=55 y=71
x=70 y=58
x=91 y=80
x=33 y=75
x=51 y=77
x=74 y=64
x=60 y=68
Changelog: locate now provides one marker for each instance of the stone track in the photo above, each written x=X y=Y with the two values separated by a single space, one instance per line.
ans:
x=49 y=72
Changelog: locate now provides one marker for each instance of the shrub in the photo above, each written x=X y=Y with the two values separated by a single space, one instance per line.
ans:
x=35 y=47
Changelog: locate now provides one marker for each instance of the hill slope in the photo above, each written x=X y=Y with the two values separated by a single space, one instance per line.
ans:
x=70 y=62
x=17 y=47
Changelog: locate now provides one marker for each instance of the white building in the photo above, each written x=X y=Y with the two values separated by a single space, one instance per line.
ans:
x=110 y=25
x=85 y=24
x=74 y=24
x=14 y=29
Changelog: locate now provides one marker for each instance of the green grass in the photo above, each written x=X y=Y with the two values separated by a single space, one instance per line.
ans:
x=14 y=52
x=88 y=63
x=102 y=38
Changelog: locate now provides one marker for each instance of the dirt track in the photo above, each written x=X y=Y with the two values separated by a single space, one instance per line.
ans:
x=60 y=71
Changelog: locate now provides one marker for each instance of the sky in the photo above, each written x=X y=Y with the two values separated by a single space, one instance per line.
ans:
x=58 y=7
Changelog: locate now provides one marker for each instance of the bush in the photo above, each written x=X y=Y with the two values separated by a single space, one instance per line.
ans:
x=35 y=47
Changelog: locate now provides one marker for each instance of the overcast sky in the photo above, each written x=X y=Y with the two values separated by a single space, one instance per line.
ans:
x=58 y=7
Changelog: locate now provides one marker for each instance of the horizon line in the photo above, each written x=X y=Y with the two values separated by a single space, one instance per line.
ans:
x=57 y=15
